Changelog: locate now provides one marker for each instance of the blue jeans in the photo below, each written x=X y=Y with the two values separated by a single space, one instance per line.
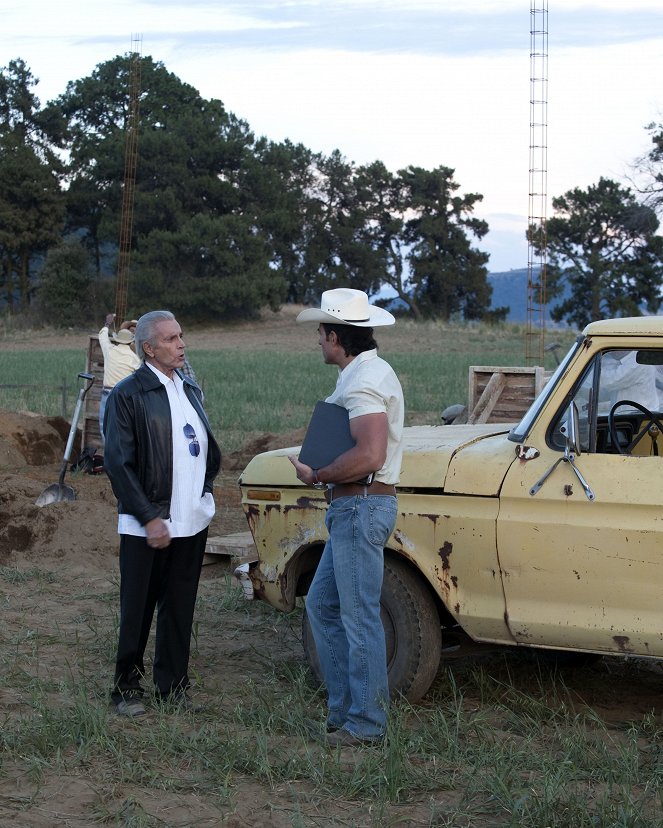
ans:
x=343 y=605
x=102 y=408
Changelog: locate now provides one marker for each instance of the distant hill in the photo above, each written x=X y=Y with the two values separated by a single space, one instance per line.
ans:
x=510 y=289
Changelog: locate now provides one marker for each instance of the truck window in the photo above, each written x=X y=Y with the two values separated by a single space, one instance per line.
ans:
x=618 y=376
x=519 y=433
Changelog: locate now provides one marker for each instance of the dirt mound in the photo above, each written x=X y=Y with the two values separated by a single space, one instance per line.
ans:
x=81 y=534
x=31 y=452
x=31 y=438
x=264 y=442
x=80 y=531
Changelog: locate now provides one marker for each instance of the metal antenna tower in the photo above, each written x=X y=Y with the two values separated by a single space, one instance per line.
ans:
x=538 y=184
x=129 y=183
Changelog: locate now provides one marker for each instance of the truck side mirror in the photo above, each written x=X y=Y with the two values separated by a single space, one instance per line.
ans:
x=570 y=428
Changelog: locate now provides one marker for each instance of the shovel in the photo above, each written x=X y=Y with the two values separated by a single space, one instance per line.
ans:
x=57 y=492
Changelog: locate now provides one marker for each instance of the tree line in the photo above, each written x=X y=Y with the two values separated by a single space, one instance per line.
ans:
x=226 y=222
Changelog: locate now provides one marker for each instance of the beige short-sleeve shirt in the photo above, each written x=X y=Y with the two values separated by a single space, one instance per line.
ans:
x=369 y=385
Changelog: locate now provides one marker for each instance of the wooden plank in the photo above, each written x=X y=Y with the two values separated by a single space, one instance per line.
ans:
x=94 y=364
x=231 y=549
x=486 y=402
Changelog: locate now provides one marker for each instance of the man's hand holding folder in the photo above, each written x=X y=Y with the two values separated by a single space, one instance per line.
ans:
x=330 y=436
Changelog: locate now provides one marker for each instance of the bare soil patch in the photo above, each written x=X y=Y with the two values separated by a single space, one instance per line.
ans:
x=31 y=449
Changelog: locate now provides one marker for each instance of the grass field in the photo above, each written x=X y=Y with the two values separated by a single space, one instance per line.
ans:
x=272 y=389
x=502 y=739
x=498 y=741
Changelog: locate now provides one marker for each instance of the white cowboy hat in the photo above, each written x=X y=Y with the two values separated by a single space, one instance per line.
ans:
x=345 y=306
x=123 y=337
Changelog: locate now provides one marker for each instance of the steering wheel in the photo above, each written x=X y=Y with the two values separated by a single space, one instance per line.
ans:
x=653 y=427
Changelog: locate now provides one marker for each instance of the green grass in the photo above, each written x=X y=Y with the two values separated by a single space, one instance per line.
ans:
x=45 y=374
x=500 y=740
x=250 y=392
x=496 y=743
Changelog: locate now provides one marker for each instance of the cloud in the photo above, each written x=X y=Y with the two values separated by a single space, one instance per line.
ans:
x=392 y=26
x=471 y=28
x=422 y=82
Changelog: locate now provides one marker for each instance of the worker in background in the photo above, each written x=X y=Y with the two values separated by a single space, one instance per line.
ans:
x=129 y=325
x=119 y=359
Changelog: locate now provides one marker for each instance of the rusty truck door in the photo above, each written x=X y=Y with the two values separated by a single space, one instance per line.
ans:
x=580 y=573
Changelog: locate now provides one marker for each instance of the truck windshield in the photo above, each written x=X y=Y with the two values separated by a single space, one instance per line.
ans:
x=519 y=432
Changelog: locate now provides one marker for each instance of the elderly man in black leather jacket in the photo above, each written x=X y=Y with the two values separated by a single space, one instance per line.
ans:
x=161 y=458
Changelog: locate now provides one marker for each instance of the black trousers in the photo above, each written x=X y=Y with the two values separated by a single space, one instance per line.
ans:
x=165 y=580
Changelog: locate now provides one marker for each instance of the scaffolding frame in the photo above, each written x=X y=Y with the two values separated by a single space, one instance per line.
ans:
x=129 y=181
x=538 y=185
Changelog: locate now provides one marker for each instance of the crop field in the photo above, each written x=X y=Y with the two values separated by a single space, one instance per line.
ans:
x=502 y=738
x=270 y=386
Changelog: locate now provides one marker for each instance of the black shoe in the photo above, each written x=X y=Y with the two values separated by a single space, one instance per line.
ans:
x=180 y=702
x=130 y=707
x=187 y=705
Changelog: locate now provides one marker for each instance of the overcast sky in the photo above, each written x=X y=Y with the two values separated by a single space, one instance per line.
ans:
x=422 y=82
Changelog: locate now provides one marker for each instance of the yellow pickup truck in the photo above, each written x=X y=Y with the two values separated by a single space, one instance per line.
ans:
x=547 y=533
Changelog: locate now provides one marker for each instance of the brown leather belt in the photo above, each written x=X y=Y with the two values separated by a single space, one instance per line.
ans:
x=349 y=489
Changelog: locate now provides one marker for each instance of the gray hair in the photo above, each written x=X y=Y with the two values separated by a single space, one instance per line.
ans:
x=145 y=329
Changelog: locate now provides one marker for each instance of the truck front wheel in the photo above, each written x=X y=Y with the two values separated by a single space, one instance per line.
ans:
x=412 y=632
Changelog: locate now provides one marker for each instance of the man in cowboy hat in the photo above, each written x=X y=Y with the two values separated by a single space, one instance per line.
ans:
x=119 y=360
x=343 y=602
x=129 y=325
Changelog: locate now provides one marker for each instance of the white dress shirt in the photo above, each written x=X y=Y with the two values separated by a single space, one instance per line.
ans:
x=190 y=510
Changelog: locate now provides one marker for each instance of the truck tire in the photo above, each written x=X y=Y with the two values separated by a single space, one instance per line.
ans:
x=412 y=631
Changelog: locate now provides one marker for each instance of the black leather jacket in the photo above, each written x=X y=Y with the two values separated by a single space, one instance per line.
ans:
x=138 y=452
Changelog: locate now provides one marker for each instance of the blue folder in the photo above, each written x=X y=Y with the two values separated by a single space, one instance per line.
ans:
x=327 y=436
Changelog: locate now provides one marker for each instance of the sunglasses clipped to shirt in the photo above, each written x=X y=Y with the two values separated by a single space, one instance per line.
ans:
x=194 y=445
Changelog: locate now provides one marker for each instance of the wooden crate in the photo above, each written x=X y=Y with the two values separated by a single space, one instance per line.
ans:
x=503 y=395
x=94 y=364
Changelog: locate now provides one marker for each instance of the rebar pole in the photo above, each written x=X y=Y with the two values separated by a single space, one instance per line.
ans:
x=538 y=196
x=129 y=183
